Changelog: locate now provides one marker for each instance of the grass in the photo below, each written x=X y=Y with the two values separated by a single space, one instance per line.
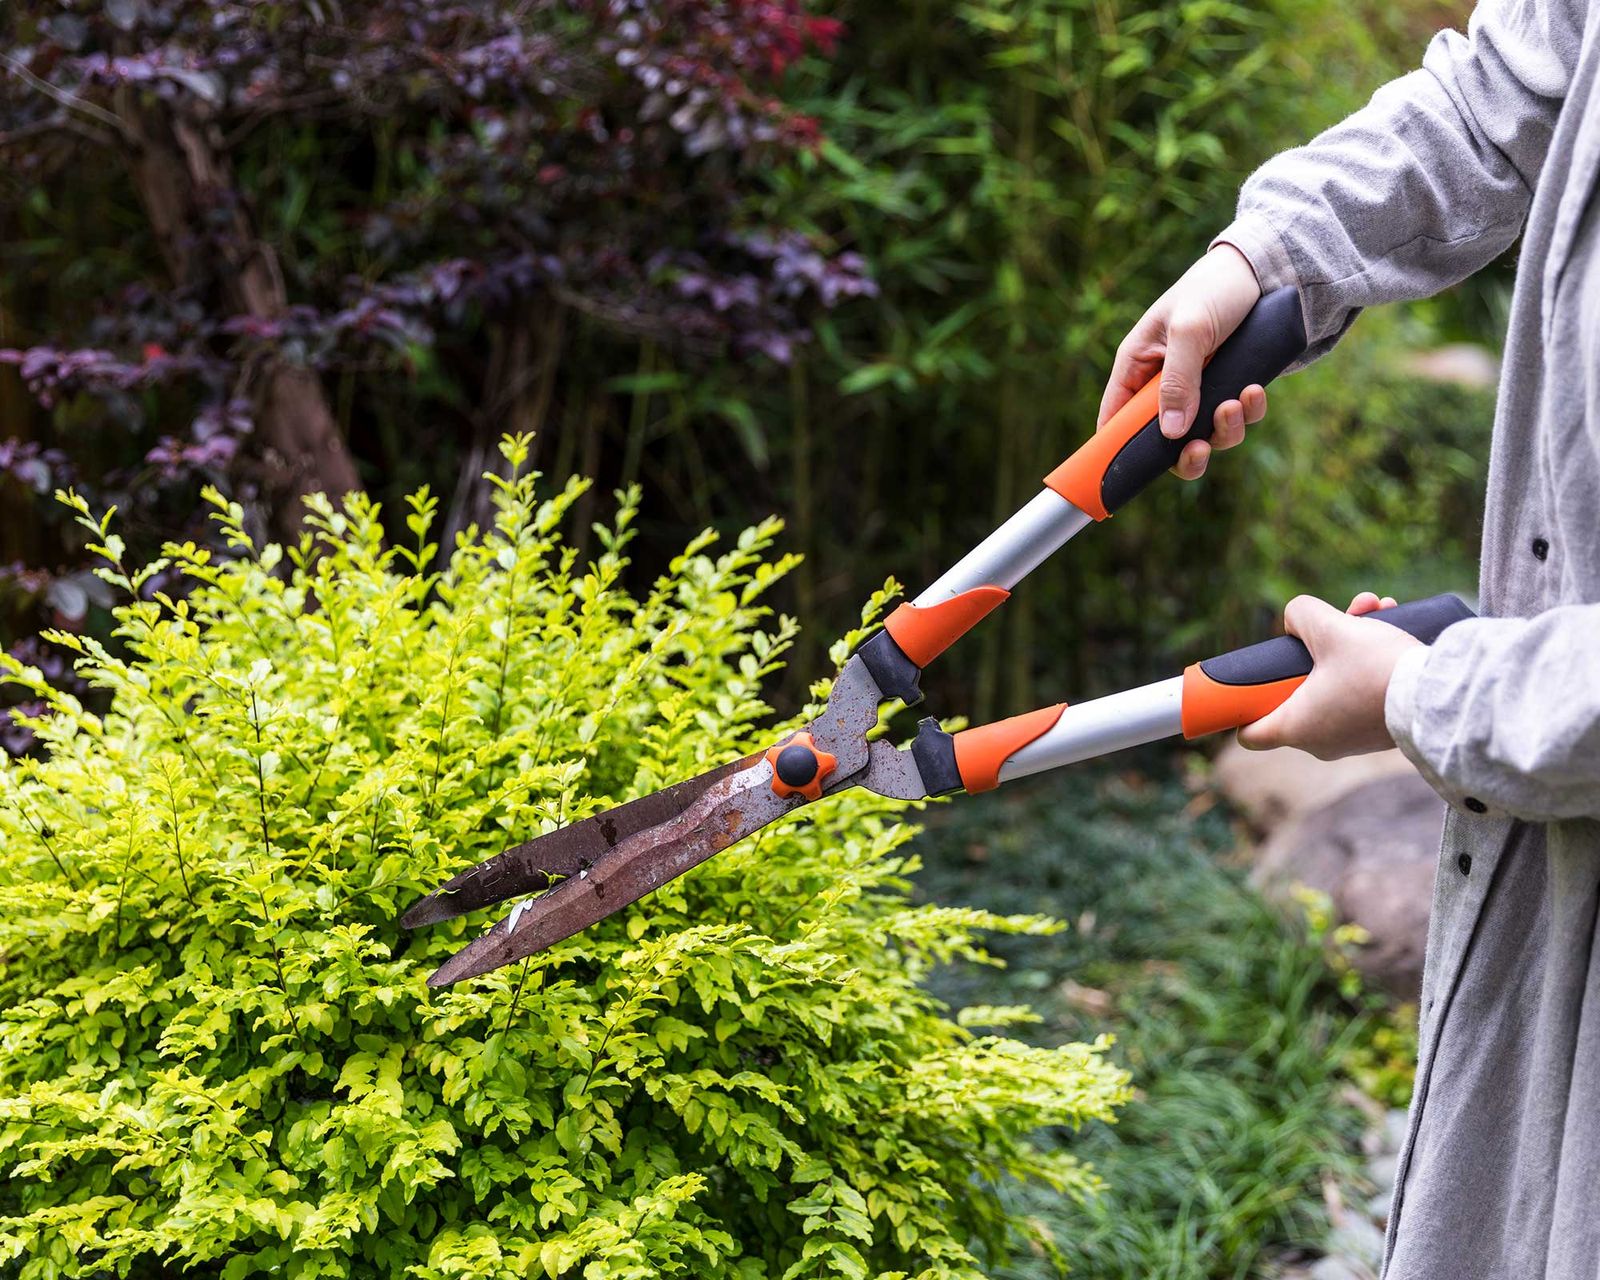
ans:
x=1229 y=1019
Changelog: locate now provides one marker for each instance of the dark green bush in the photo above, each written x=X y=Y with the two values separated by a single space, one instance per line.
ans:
x=217 y=1053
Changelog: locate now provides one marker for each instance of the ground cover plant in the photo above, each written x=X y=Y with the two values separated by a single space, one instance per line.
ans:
x=217 y=1054
x=1241 y=1037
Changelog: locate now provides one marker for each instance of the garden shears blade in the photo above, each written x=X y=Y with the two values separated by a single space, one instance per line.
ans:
x=592 y=868
x=595 y=867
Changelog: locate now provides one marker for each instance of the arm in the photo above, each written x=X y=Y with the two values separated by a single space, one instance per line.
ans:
x=1427 y=183
x=1505 y=713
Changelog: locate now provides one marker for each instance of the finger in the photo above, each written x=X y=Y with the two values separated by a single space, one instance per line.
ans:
x=1266 y=733
x=1364 y=602
x=1227 y=427
x=1191 y=464
x=1188 y=345
x=1306 y=616
x=1254 y=399
x=1138 y=359
x=1388 y=602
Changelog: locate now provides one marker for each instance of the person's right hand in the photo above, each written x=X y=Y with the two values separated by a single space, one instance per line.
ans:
x=1176 y=337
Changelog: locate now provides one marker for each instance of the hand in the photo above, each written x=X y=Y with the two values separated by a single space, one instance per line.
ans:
x=1338 y=711
x=1175 y=338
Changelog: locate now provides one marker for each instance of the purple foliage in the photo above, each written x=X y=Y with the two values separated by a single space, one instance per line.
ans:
x=212 y=444
x=566 y=135
x=600 y=153
x=15 y=737
x=35 y=467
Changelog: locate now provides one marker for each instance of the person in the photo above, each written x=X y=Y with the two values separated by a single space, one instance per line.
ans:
x=1497 y=134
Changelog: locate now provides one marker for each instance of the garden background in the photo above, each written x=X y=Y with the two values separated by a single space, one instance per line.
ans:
x=858 y=266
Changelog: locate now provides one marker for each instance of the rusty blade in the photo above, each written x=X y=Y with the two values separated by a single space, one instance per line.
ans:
x=738 y=804
x=535 y=864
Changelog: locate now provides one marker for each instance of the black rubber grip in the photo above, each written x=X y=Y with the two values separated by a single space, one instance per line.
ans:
x=934 y=750
x=1285 y=658
x=895 y=674
x=1268 y=341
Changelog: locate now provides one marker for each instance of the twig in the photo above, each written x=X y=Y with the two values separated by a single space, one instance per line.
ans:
x=516 y=995
x=177 y=840
x=56 y=125
x=70 y=101
x=444 y=722
x=122 y=886
x=266 y=844
x=40 y=830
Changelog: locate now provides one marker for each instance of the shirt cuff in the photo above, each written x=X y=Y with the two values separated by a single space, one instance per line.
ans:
x=1399 y=704
x=1263 y=248
x=1400 y=715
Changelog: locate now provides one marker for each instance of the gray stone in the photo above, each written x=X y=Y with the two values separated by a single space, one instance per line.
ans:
x=1382 y=1170
x=1464 y=363
x=1356 y=1240
x=1272 y=787
x=1395 y=1128
x=1334 y=1268
x=1373 y=851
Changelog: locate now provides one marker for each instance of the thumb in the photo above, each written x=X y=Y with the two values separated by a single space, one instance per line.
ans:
x=1268 y=732
x=1189 y=342
x=1308 y=619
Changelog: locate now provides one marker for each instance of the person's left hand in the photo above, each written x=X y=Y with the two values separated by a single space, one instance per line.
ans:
x=1338 y=711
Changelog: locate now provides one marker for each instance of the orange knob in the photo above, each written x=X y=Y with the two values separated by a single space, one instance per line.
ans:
x=798 y=768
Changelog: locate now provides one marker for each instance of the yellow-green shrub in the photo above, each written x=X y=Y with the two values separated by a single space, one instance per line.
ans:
x=217 y=1053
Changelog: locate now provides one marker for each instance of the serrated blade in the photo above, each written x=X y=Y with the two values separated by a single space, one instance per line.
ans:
x=736 y=805
x=535 y=864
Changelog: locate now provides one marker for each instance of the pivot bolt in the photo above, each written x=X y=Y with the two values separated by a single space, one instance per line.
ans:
x=797 y=765
x=799 y=768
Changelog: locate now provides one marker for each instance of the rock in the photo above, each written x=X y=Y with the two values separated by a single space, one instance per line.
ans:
x=1335 y=1268
x=1464 y=363
x=1396 y=1124
x=1356 y=1240
x=1373 y=851
x=1271 y=787
x=1381 y=1171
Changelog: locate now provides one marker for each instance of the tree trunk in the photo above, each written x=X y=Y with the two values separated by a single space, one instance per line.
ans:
x=185 y=183
x=518 y=385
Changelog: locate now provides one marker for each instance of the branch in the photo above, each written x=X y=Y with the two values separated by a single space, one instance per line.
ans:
x=68 y=100
x=310 y=100
x=79 y=128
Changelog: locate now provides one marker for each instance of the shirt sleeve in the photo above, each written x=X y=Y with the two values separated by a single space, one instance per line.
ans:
x=1428 y=182
x=1502 y=715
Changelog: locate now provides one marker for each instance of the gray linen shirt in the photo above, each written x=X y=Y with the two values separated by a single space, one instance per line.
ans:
x=1498 y=133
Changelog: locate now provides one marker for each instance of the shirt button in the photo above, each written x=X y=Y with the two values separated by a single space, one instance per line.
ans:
x=1475 y=804
x=1541 y=548
x=1465 y=863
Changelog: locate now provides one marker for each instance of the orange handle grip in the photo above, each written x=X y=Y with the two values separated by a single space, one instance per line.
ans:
x=1238 y=688
x=1210 y=706
x=923 y=632
x=1081 y=477
x=1129 y=452
x=981 y=751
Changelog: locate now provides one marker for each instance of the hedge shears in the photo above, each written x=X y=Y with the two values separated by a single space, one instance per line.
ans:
x=589 y=869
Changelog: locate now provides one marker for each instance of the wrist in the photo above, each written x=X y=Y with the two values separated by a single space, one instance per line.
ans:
x=1238 y=265
x=1254 y=240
